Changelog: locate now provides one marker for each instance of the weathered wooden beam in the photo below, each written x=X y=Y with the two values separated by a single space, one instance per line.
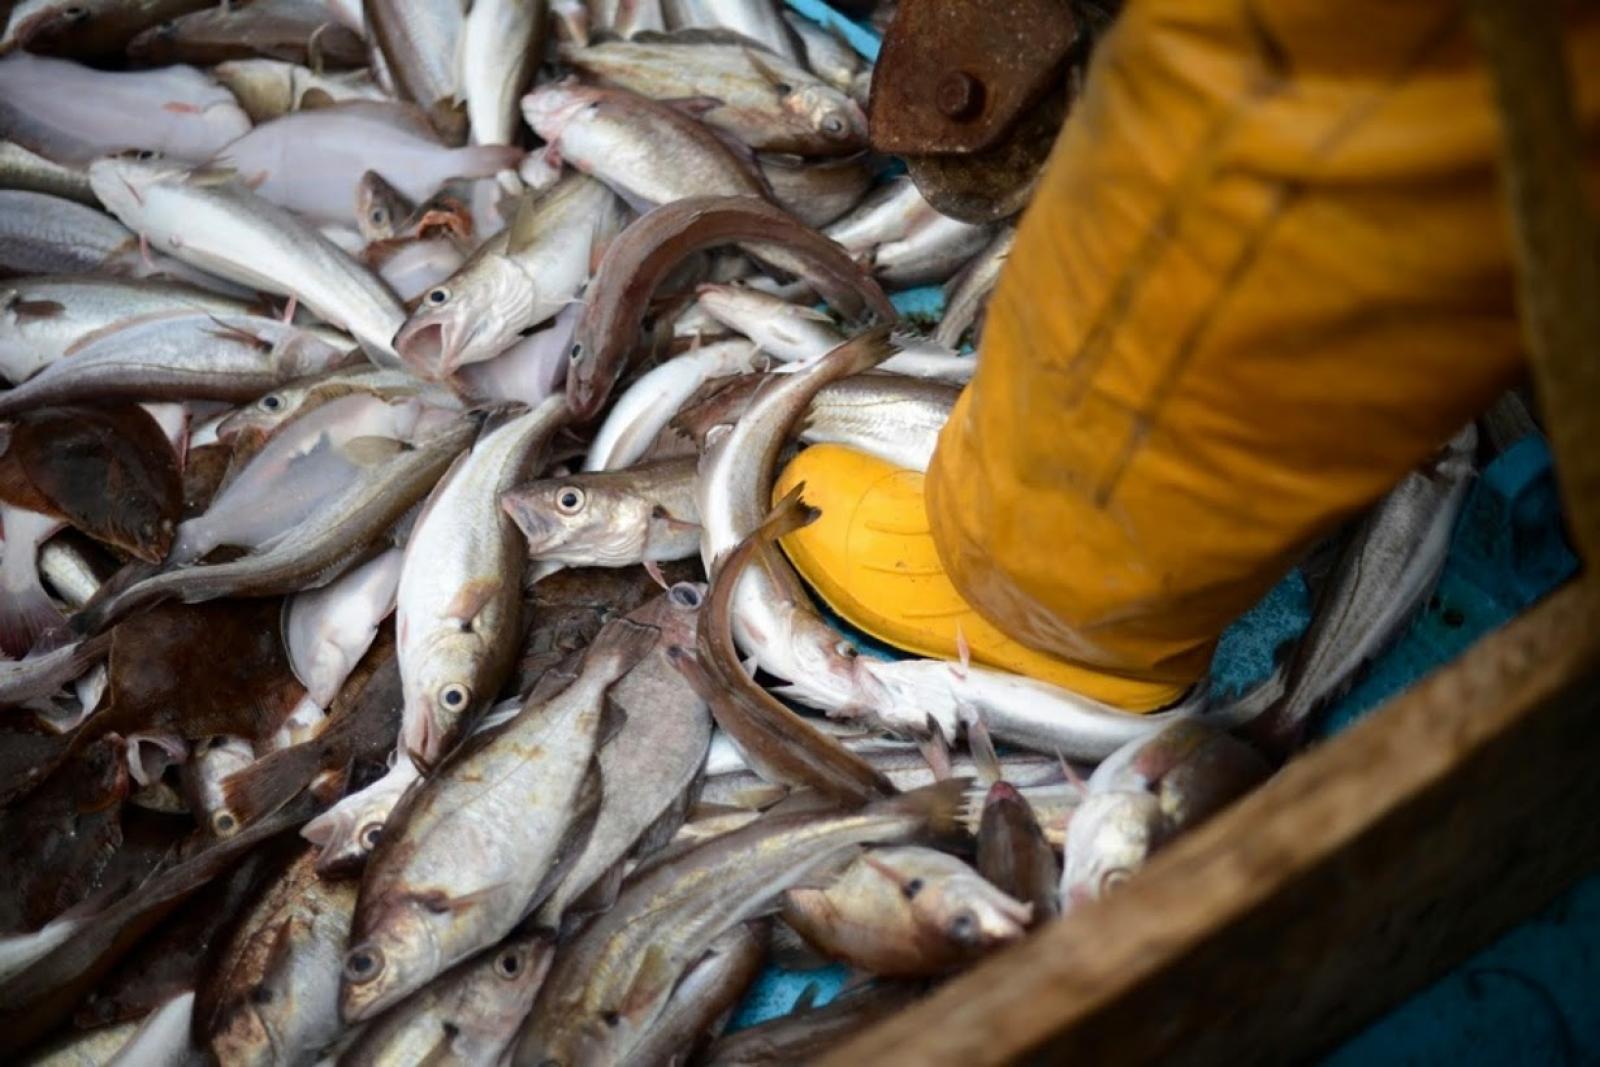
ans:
x=1555 y=238
x=1364 y=869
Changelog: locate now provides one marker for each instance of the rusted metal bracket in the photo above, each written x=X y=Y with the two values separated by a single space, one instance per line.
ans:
x=972 y=95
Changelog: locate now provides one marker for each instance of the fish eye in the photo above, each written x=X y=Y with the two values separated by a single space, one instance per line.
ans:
x=1114 y=879
x=912 y=888
x=508 y=965
x=145 y=155
x=576 y=353
x=963 y=928
x=454 y=696
x=272 y=402
x=224 y=823
x=684 y=595
x=833 y=126
x=783 y=88
x=75 y=13
x=438 y=296
x=363 y=964
x=370 y=835
x=261 y=995
x=610 y=1018
x=379 y=217
x=846 y=649
x=570 y=500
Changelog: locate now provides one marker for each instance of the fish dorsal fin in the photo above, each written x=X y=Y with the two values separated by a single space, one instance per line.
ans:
x=613 y=718
x=315 y=99
x=524 y=228
x=700 y=35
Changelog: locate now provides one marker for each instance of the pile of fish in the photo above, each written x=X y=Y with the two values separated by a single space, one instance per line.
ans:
x=398 y=663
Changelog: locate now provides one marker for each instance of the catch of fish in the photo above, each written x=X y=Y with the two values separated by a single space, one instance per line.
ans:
x=398 y=658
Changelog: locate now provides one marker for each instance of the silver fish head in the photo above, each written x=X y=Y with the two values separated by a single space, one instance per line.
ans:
x=550 y=107
x=441 y=694
x=123 y=183
x=951 y=901
x=1109 y=837
x=831 y=113
x=463 y=320
x=264 y=416
x=503 y=991
x=251 y=1032
x=680 y=620
x=399 y=954
x=580 y=521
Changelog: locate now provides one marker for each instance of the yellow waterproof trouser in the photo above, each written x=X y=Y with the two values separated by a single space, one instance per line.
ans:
x=1267 y=272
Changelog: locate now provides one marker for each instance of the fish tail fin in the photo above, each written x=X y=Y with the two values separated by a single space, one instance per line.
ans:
x=256 y=791
x=29 y=621
x=865 y=350
x=936 y=808
x=622 y=643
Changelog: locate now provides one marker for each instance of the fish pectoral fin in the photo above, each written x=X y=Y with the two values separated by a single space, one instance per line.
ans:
x=613 y=717
x=696 y=107
x=472 y=598
x=36 y=309
x=315 y=99
x=440 y=902
x=371 y=451
x=654 y=976
x=524 y=228
x=661 y=516
x=209 y=175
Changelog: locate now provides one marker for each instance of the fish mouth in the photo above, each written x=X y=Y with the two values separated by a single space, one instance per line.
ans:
x=424 y=349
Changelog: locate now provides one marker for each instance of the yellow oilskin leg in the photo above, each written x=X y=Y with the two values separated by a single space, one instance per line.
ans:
x=872 y=558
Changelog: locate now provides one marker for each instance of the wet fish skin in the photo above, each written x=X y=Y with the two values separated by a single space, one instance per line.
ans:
x=37 y=677
x=817 y=191
x=610 y=518
x=348 y=832
x=624 y=964
x=647 y=251
x=179 y=355
x=460 y=874
x=516 y=279
x=706 y=996
x=420 y=40
x=1013 y=854
x=271 y=88
x=177 y=112
x=299 y=31
x=501 y=42
x=829 y=55
x=314 y=553
x=41 y=234
x=273 y=997
x=652 y=760
x=650 y=153
x=466 y=1017
x=42 y=318
x=766 y=102
x=968 y=293
x=460 y=596
x=328 y=630
x=1385 y=573
x=22 y=169
x=759 y=20
x=780 y=745
x=269 y=413
x=906 y=912
x=212 y=221
x=654 y=399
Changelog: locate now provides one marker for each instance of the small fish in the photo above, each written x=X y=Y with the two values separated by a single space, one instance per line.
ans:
x=1013 y=853
x=615 y=978
x=828 y=54
x=211 y=220
x=706 y=997
x=650 y=153
x=466 y=1017
x=501 y=43
x=460 y=597
x=43 y=234
x=763 y=100
x=968 y=293
x=906 y=912
x=610 y=518
x=26 y=170
x=273 y=995
x=420 y=41
x=760 y=21
x=328 y=630
x=654 y=399
x=348 y=832
x=529 y=372
x=816 y=191
x=271 y=88
x=260 y=420
x=648 y=251
x=176 y=112
x=515 y=280
x=299 y=31
x=28 y=619
x=87 y=29
x=459 y=875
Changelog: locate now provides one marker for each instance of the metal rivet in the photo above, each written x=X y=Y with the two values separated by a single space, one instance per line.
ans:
x=959 y=96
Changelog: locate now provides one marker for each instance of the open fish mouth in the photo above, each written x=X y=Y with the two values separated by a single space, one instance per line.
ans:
x=424 y=349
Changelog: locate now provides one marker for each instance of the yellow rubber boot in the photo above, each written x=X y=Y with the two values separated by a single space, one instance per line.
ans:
x=872 y=558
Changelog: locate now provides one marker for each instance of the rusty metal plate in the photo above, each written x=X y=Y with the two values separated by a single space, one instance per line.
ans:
x=988 y=186
x=956 y=75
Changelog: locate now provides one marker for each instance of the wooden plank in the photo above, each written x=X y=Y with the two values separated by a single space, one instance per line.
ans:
x=1555 y=239
x=1364 y=869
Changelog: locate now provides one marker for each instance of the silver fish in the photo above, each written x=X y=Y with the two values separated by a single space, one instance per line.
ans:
x=267 y=415
x=650 y=153
x=348 y=832
x=759 y=20
x=610 y=518
x=460 y=593
x=181 y=355
x=968 y=293
x=817 y=191
x=655 y=755
x=213 y=222
x=639 y=414
x=706 y=996
x=274 y=996
x=501 y=43
x=420 y=40
x=22 y=169
x=42 y=318
x=467 y=1017
x=515 y=280
x=1387 y=571
x=614 y=979
x=460 y=875
x=829 y=55
x=313 y=553
x=42 y=234
x=766 y=102
x=270 y=88
x=326 y=631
